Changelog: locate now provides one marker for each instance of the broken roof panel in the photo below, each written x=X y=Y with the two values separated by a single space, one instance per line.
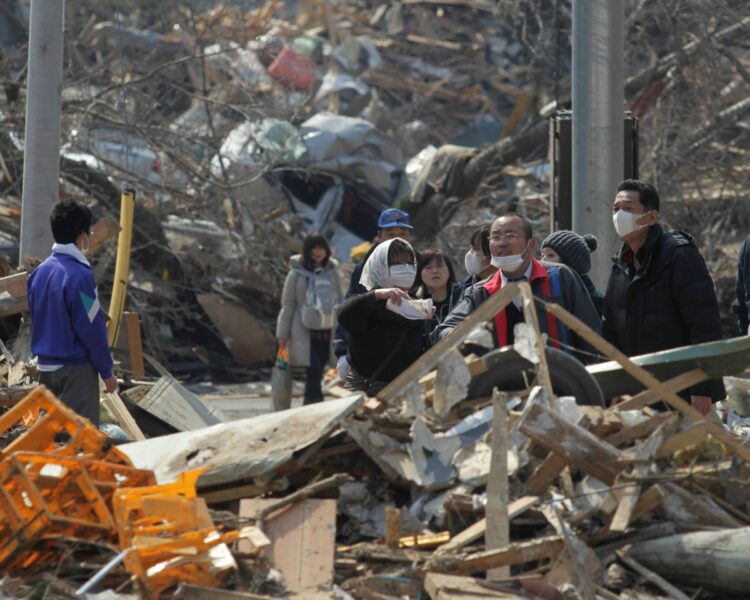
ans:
x=247 y=448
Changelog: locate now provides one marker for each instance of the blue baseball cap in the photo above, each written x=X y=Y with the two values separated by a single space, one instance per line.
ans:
x=393 y=217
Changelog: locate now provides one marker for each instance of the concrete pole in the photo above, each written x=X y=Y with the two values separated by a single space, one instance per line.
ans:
x=41 y=164
x=598 y=130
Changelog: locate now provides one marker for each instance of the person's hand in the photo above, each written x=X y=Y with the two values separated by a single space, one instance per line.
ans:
x=748 y=330
x=282 y=343
x=394 y=294
x=342 y=367
x=701 y=403
x=110 y=385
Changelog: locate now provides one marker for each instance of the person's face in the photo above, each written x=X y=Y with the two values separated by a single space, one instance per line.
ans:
x=628 y=201
x=394 y=232
x=550 y=255
x=507 y=237
x=318 y=254
x=478 y=252
x=435 y=274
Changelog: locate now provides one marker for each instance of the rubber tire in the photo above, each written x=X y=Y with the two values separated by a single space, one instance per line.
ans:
x=506 y=368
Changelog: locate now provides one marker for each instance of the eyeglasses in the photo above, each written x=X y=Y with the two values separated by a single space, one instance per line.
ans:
x=509 y=236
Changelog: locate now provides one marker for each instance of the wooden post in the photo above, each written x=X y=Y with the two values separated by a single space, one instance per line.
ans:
x=648 y=379
x=497 y=534
x=529 y=312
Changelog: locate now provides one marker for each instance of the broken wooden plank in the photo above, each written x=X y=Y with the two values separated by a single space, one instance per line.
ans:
x=629 y=498
x=648 y=380
x=676 y=384
x=547 y=547
x=532 y=318
x=497 y=534
x=638 y=431
x=545 y=473
x=430 y=359
x=309 y=490
x=133 y=342
x=116 y=407
x=577 y=445
x=476 y=531
x=392 y=526
x=649 y=501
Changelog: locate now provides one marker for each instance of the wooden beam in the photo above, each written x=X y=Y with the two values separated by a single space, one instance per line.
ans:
x=647 y=379
x=548 y=547
x=135 y=345
x=676 y=384
x=13 y=299
x=496 y=512
x=476 y=531
x=430 y=359
x=531 y=318
x=629 y=499
x=635 y=432
x=114 y=404
x=578 y=446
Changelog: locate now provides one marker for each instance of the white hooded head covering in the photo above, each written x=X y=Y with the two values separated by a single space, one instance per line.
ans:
x=376 y=273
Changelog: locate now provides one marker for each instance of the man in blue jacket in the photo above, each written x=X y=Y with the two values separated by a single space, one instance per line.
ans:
x=68 y=334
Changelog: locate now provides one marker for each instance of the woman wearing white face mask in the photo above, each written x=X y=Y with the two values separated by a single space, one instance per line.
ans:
x=382 y=343
x=478 y=263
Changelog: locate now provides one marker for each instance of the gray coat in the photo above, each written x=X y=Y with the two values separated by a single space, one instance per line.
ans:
x=289 y=323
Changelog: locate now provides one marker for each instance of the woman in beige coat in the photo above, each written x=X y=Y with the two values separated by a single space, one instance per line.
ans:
x=307 y=316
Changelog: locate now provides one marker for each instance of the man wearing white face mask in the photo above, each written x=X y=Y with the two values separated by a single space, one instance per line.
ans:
x=382 y=342
x=660 y=294
x=511 y=247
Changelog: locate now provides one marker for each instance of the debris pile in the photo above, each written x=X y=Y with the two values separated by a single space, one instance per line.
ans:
x=505 y=475
x=63 y=484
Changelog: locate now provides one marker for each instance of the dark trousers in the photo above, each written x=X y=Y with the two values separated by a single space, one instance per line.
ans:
x=320 y=349
x=77 y=386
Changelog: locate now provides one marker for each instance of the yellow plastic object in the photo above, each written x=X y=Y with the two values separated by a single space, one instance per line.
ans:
x=122 y=266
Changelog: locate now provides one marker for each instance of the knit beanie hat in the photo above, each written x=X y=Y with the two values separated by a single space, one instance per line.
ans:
x=574 y=250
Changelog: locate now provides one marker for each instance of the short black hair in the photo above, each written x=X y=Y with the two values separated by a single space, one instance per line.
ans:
x=481 y=239
x=528 y=226
x=647 y=193
x=426 y=258
x=68 y=220
x=315 y=240
x=399 y=248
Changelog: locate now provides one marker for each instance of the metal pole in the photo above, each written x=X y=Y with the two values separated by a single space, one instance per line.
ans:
x=598 y=130
x=41 y=165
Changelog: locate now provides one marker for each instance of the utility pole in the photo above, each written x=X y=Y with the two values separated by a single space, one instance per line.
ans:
x=598 y=130
x=41 y=161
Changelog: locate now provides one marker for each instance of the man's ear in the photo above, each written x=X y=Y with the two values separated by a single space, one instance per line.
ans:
x=532 y=245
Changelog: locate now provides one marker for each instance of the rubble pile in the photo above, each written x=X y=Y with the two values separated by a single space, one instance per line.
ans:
x=500 y=476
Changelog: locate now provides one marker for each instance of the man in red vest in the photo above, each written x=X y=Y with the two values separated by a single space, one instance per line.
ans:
x=511 y=247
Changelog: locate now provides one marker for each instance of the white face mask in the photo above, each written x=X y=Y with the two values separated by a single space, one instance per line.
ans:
x=473 y=263
x=509 y=264
x=625 y=222
x=402 y=276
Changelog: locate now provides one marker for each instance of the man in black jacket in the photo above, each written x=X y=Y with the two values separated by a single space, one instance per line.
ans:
x=660 y=294
x=741 y=305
